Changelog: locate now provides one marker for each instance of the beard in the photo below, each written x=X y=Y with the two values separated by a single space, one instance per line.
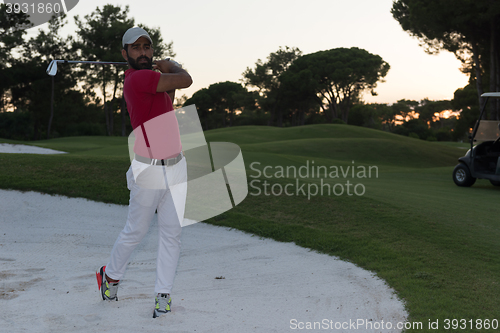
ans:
x=136 y=64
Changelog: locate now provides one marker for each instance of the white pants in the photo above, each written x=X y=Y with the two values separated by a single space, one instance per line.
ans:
x=170 y=204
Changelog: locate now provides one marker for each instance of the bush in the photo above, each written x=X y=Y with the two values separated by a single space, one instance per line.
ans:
x=415 y=126
x=315 y=118
x=84 y=129
x=444 y=135
x=366 y=115
x=251 y=118
x=414 y=135
x=16 y=125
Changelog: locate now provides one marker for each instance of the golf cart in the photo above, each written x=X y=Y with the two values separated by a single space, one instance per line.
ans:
x=483 y=160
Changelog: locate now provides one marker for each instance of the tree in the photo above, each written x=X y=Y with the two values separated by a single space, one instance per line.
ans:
x=371 y=115
x=217 y=105
x=31 y=90
x=335 y=78
x=12 y=29
x=414 y=128
x=405 y=109
x=203 y=101
x=265 y=77
x=465 y=101
x=100 y=39
x=297 y=99
x=39 y=51
x=467 y=28
x=427 y=110
x=162 y=49
x=229 y=97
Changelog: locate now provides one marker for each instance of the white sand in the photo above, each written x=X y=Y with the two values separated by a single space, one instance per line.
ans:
x=25 y=149
x=50 y=247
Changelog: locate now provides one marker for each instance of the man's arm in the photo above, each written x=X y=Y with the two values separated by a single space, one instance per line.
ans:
x=172 y=77
x=171 y=93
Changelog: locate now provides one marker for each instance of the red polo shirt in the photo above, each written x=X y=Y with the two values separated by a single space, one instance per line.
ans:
x=155 y=127
x=143 y=102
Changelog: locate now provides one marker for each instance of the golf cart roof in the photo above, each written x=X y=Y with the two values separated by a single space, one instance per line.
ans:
x=491 y=94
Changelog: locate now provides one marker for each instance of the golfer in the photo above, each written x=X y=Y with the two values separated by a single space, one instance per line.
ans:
x=157 y=177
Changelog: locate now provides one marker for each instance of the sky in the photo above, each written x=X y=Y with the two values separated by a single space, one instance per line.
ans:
x=216 y=40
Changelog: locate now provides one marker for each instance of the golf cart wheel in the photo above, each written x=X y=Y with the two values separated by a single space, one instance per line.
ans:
x=462 y=176
x=495 y=182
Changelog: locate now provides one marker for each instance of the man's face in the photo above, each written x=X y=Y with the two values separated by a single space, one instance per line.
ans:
x=139 y=55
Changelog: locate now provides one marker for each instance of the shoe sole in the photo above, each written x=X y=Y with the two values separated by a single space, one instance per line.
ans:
x=100 y=276
x=156 y=313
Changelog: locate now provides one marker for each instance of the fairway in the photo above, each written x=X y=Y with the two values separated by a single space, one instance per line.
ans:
x=435 y=243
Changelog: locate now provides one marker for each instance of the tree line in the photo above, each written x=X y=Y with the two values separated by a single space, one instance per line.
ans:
x=292 y=89
x=467 y=28
x=288 y=88
x=87 y=98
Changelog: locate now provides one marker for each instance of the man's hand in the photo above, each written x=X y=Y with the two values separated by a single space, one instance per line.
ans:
x=166 y=66
x=172 y=77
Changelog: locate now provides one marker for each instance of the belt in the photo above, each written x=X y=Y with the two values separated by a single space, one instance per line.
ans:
x=154 y=161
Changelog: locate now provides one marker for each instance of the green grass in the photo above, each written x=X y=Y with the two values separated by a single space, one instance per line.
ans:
x=463 y=145
x=89 y=146
x=436 y=244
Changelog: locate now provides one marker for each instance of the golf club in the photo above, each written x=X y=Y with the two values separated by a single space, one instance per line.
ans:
x=52 y=69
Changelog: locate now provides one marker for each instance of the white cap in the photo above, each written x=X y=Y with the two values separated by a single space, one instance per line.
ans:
x=133 y=34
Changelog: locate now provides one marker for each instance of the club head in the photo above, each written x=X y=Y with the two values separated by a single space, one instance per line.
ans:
x=52 y=69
